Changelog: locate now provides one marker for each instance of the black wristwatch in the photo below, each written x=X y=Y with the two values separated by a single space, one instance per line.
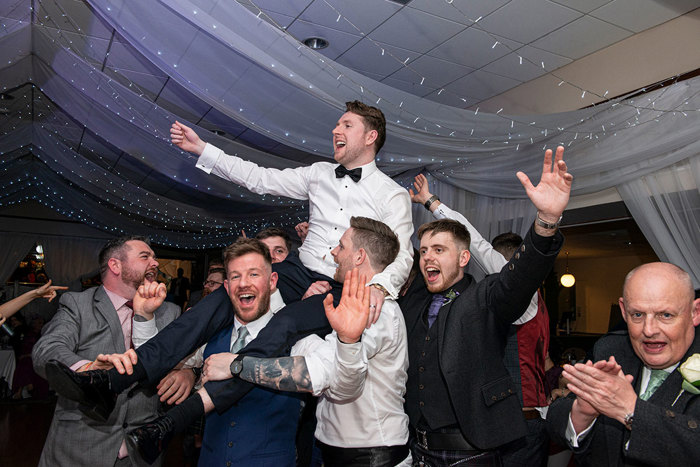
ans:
x=237 y=365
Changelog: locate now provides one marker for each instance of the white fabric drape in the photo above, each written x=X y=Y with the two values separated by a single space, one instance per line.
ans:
x=69 y=259
x=666 y=206
x=14 y=248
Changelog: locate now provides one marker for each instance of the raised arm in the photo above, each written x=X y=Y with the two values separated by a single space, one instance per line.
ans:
x=489 y=260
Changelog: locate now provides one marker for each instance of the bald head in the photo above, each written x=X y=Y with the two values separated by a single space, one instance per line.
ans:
x=661 y=314
x=660 y=274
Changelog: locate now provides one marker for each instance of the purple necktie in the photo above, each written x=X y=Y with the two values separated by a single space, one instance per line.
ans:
x=434 y=309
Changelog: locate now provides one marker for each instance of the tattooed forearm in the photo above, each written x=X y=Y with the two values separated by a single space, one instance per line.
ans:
x=283 y=374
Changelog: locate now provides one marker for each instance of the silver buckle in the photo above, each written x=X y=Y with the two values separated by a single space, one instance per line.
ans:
x=422 y=438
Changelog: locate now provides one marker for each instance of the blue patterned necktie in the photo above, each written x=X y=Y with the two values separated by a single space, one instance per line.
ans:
x=434 y=309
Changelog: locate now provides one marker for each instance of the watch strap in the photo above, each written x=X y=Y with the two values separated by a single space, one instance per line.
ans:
x=547 y=225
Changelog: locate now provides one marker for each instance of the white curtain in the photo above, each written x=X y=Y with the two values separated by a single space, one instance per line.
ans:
x=69 y=259
x=666 y=206
x=14 y=248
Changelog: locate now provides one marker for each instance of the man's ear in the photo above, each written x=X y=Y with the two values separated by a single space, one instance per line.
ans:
x=621 y=302
x=360 y=257
x=464 y=256
x=115 y=266
x=695 y=311
x=370 y=137
x=226 y=286
x=273 y=281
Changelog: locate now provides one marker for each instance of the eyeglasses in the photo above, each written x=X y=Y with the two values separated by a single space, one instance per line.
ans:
x=212 y=283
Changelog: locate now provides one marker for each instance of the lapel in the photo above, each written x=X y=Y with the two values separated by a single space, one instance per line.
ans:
x=221 y=342
x=103 y=305
x=417 y=300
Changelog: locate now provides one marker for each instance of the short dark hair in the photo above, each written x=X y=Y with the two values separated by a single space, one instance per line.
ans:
x=275 y=232
x=221 y=271
x=115 y=248
x=459 y=232
x=373 y=118
x=243 y=246
x=377 y=239
x=506 y=243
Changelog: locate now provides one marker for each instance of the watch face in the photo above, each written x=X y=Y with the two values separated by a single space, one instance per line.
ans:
x=236 y=367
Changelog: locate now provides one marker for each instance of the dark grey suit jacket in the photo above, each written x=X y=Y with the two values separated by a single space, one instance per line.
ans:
x=662 y=434
x=86 y=325
x=472 y=333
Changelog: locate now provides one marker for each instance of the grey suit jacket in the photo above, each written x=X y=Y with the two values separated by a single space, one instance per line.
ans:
x=663 y=433
x=86 y=325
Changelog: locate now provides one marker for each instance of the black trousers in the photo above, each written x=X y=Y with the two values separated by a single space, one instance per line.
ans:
x=380 y=456
x=215 y=312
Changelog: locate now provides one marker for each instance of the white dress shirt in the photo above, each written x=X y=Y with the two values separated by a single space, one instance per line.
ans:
x=489 y=260
x=362 y=385
x=332 y=201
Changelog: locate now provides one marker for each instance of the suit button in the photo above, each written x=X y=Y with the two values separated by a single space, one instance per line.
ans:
x=511 y=266
x=421 y=369
x=421 y=404
x=420 y=386
x=427 y=338
x=517 y=255
x=503 y=394
x=522 y=247
x=233 y=424
x=422 y=354
x=228 y=463
x=494 y=398
x=510 y=391
x=670 y=413
x=230 y=444
x=125 y=425
x=692 y=424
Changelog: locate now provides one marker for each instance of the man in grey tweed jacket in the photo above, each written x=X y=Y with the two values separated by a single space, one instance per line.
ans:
x=90 y=325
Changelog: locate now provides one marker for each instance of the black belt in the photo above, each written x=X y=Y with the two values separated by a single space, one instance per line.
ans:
x=435 y=441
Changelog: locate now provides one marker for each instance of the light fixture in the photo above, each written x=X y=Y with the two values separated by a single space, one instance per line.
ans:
x=567 y=279
x=39 y=249
x=316 y=43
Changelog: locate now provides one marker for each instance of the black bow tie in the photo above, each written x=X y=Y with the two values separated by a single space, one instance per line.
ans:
x=354 y=174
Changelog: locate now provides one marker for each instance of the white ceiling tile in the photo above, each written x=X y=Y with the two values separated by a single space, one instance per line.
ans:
x=452 y=99
x=287 y=7
x=338 y=41
x=581 y=37
x=474 y=48
x=411 y=87
x=367 y=56
x=527 y=20
x=436 y=72
x=647 y=13
x=481 y=85
x=356 y=17
x=415 y=30
x=530 y=67
x=279 y=19
x=461 y=11
x=583 y=6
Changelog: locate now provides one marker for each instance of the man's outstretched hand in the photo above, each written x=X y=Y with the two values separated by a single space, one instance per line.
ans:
x=186 y=139
x=349 y=319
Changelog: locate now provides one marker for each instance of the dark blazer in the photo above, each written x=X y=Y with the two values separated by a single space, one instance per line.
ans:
x=663 y=433
x=472 y=333
x=258 y=431
x=86 y=325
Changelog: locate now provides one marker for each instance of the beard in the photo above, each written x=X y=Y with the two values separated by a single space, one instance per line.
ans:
x=132 y=277
x=263 y=307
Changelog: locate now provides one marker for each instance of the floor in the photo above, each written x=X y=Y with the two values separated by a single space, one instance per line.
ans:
x=24 y=426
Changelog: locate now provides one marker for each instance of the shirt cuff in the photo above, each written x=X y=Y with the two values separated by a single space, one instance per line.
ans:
x=571 y=436
x=141 y=331
x=207 y=160
x=76 y=366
